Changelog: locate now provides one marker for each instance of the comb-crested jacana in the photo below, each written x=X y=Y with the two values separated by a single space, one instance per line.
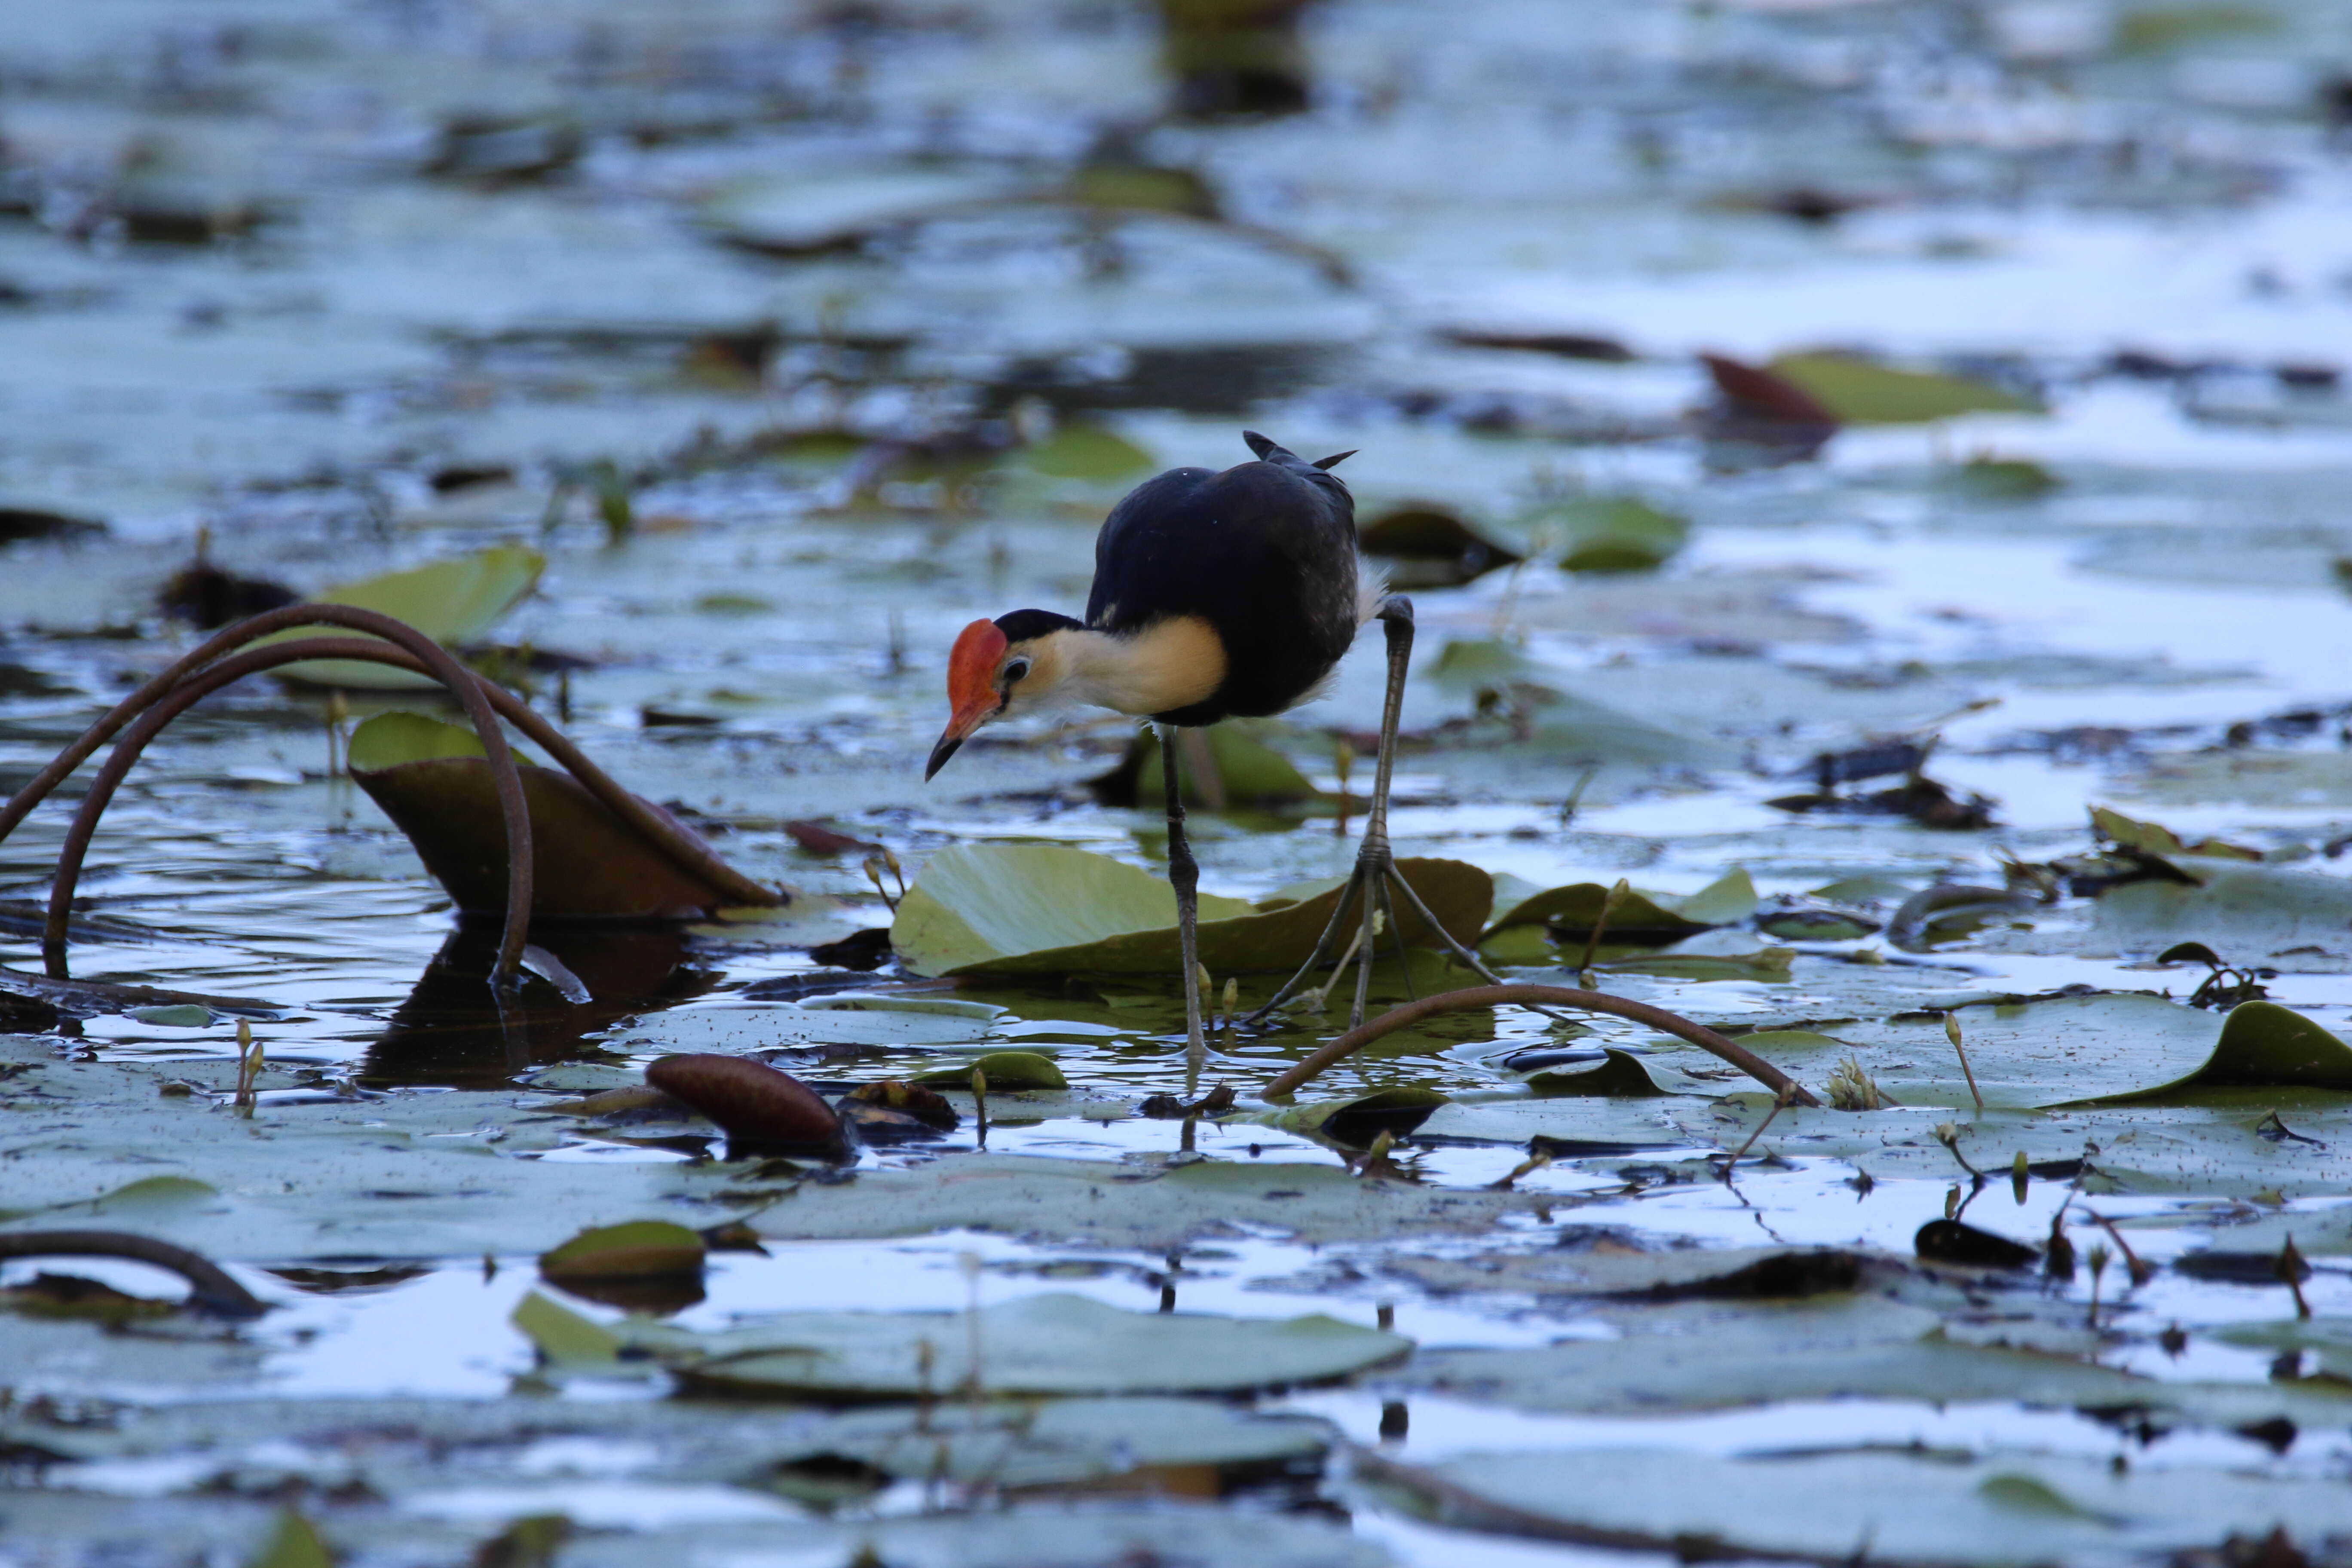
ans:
x=1216 y=595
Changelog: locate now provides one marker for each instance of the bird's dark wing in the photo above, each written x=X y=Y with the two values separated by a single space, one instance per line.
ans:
x=1263 y=552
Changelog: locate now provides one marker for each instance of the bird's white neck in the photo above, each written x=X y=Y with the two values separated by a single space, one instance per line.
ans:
x=1170 y=664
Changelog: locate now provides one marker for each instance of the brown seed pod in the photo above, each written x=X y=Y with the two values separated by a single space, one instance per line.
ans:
x=754 y=1103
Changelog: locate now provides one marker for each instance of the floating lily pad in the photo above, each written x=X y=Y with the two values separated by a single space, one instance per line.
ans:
x=1610 y=534
x=2247 y=911
x=1997 y=1509
x=1718 y=1353
x=453 y=601
x=2154 y=838
x=1249 y=772
x=1639 y=917
x=638 y=1248
x=1042 y=1344
x=1138 y=1206
x=1863 y=392
x=1011 y=1071
x=1008 y=910
x=1081 y=451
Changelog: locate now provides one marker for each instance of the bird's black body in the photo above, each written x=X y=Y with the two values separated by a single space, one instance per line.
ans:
x=1265 y=552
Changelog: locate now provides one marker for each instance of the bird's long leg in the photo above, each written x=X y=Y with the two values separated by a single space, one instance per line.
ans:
x=1185 y=875
x=1374 y=859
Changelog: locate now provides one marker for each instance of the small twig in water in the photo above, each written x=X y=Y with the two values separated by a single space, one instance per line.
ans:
x=1535 y=1161
x=1600 y=924
x=979 y=1103
x=2141 y=1272
x=1779 y=1103
x=2097 y=1259
x=2291 y=1271
x=1952 y=1032
x=1576 y=795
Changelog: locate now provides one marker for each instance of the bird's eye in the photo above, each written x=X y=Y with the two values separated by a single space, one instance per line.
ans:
x=1014 y=668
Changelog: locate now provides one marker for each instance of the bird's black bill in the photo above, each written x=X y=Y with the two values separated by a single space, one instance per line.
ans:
x=948 y=747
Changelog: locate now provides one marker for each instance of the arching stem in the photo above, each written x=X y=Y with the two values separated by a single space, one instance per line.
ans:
x=210 y=1287
x=1658 y=1018
x=438 y=662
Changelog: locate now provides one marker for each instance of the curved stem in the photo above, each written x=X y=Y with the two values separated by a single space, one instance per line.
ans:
x=210 y=1287
x=690 y=853
x=178 y=700
x=436 y=661
x=1658 y=1018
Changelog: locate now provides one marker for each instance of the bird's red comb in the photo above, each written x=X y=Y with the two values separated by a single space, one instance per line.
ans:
x=971 y=668
x=971 y=688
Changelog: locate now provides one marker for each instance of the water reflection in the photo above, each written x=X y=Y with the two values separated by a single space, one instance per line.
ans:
x=454 y=1030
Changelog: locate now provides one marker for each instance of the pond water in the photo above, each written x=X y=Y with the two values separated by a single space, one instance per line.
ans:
x=794 y=337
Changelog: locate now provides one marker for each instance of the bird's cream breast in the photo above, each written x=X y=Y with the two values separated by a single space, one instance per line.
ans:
x=1170 y=664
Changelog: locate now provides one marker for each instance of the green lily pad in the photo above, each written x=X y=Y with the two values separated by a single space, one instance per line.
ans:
x=1152 y=1208
x=1081 y=451
x=562 y=1337
x=1608 y=534
x=1997 y=1509
x=1720 y=1353
x=391 y=739
x=1250 y=771
x=1052 y=1344
x=2250 y=912
x=1011 y=1071
x=1355 y=1122
x=453 y=601
x=1014 y=909
x=1639 y=917
x=640 y=1247
x=1863 y=392
x=293 y=1543
x=2263 y=1045
x=2154 y=838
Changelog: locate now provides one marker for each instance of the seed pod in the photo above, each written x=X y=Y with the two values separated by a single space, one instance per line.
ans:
x=754 y=1103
